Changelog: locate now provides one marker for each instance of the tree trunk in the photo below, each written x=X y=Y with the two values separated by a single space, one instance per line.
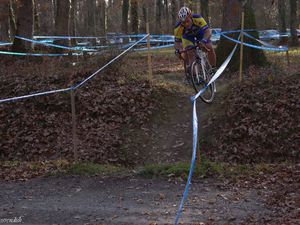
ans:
x=181 y=3
x=103 y=18
x=231 y=21
x=12 y=19
x=24 y=26
x=144 y=17
x=109 y=14
x=205 y=10
x=36 y=28
x=72 y=22
x=167 y=17
x=62 y=22
x=54 y=7
x=281 y=20
x=158 y=16
x=173 y=13
x=134 y=16
x=91 y=5
x=125 y=10
x=293 y=22
x=4 y=21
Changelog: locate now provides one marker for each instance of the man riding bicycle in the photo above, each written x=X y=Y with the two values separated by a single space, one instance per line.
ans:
x=189 y=27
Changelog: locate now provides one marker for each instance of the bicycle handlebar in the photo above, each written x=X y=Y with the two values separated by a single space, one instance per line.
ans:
x=199 y=44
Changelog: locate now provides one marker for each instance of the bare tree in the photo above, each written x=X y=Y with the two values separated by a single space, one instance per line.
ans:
x=205 y=10
x=102 y=16
x=158 y=18
x=173 y=13
x=4 y=20
x=281 y=20
x=181 y=3
x=231 y=21
x=134 y=19
x=125 y=10
x=24 y=26
x=62 y=21
x=144 y=17
x=12 y=18
x=91 y=24
x=167 y=16
x=109 y=18
x=293 y=22
x=36 y=26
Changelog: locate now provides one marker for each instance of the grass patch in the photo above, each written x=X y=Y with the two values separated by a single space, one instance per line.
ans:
x=205 y=169
x=92 y=169
x=164 y=51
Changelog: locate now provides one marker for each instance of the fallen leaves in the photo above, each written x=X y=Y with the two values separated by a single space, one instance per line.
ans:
x=260 y=122
x=40 y=128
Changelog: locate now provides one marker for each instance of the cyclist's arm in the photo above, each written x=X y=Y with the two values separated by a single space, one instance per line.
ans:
x=207 y=34
x=178 y=45
x=178 y=36
x=202 y=24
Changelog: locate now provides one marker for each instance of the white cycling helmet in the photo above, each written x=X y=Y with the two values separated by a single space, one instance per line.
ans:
x=183 y=13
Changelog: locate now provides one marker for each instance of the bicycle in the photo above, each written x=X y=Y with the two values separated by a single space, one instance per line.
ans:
x=200 y=72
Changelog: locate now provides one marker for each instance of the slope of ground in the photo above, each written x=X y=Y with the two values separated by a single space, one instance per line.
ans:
x=259 y=121
x=40 y=128
x=158 y=130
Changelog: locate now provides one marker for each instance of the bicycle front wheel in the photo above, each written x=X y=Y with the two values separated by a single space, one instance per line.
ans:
x=201 y=75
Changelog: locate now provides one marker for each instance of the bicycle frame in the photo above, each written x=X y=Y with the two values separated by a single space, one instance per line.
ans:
x=201 y=74
x=201 y=55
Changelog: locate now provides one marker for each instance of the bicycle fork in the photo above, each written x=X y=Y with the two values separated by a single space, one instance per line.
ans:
x=205 y=75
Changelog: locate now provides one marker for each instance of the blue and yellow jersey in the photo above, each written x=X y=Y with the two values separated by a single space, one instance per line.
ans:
x=197 y=29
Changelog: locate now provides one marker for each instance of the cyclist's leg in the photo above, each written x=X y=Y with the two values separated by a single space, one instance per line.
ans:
x=187 y=42
x=211 y=55
x=212 y=60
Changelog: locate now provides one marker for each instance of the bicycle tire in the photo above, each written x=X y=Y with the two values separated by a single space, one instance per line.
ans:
x=186 y=72
x=200 y=78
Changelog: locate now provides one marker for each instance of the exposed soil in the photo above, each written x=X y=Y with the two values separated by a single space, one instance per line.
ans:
x=128 y=200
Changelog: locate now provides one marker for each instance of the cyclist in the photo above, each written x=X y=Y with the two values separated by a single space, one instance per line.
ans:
x=189 y=27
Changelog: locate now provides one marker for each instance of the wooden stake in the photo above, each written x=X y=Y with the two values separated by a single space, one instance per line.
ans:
x=149 y=55
x=242 y=45
x=288 y=57
x=74 y=133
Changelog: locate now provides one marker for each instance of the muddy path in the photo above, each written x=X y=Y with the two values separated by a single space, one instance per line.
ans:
x=127 y=200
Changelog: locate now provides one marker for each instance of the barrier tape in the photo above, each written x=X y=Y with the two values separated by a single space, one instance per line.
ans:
x=111 y=61
x=53 y=45
x=195 y=130
x=279 y=49
x=72 y=87
x=194 y=98
x=36 y=94
x=31 y=54
x=87 y=48
x=65 y=37
x=5 y=43
x=260 y=41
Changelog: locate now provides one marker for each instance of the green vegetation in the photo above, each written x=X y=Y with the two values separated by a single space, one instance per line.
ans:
x=206 y=169
x=92 y=169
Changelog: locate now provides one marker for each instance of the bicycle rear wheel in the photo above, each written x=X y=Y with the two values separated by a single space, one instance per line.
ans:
x=186 y=72
x=201 y=75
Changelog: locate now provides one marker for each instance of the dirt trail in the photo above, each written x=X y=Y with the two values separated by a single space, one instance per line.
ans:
x=128 y=200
